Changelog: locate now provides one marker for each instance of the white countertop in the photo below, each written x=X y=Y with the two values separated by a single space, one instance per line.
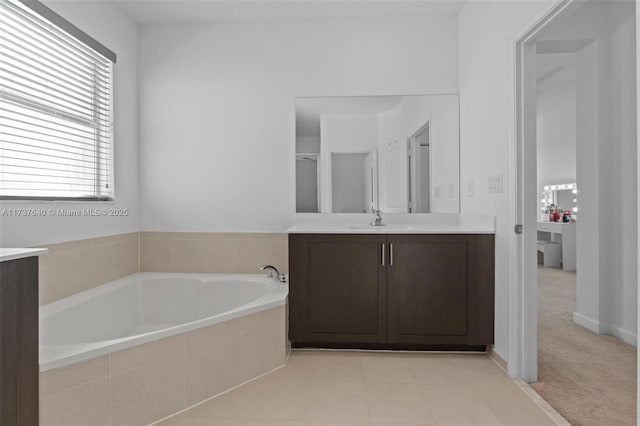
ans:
x=394 y=224
x=19 y=253
x=387 y=229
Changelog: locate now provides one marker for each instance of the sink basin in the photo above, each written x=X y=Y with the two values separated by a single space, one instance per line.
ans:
x=384 y=228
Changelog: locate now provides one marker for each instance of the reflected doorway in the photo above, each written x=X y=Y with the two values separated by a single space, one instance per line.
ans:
x=419 y=171
x=308 y=187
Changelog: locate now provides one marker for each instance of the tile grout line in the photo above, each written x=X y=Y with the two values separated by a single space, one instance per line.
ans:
x=215 y=396
x=77 y=385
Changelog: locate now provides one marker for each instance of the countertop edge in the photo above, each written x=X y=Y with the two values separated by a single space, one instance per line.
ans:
x=390 y=231
x=7 y=254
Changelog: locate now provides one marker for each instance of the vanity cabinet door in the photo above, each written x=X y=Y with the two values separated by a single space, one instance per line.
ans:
x=337 y=289
x=436 y=288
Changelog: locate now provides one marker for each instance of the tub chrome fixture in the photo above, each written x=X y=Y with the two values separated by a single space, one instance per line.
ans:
x=275 y=274
x=378 y=219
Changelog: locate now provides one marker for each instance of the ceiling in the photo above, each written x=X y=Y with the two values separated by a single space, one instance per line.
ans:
x=200 y=11
x=309 y=110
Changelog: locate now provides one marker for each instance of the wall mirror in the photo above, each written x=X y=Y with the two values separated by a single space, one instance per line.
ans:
x=563 y=196
x=399 y=154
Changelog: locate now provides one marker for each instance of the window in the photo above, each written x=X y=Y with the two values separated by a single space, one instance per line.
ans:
x=55 y=109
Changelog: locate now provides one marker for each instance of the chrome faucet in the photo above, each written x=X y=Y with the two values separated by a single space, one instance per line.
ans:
x=275 y=274
x=378 y=219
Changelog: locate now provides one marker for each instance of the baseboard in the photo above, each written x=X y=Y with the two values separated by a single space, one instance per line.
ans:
x=497 y=358
x=622 y=334
x=603 y=328
x=586 y=322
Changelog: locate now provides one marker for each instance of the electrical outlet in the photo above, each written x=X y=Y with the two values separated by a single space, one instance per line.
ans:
x=436 y=191
x=451 y=190
x=495 y=184
x=470 y=188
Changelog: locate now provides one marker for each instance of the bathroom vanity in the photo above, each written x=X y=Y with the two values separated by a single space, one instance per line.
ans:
x=425 y=280
x=401 y=287
x=19 y=368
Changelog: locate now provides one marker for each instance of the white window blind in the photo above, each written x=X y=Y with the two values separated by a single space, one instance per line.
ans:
x=55 y=111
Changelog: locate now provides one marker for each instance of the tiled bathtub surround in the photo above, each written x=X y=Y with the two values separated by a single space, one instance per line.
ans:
x=75 y=266
x=228 y=253
x=139 y=385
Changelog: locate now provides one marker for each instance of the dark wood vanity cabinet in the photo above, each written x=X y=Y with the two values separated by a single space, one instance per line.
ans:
x=19 y=342
x=391 y=291
x=340 y=291
x=440 y=289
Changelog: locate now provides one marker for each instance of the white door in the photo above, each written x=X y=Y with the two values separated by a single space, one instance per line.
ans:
x=394 y=184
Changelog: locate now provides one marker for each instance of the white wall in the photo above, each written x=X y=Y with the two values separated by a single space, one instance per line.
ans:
x=217 y=101
x=556 y=126
x=487 y=32
x=106 y=23
x=618 y=285
x=588 y=177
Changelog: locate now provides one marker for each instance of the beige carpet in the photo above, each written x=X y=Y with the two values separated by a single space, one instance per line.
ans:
x=588 y=378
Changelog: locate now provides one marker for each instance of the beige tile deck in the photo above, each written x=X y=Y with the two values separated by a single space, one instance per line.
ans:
x=323 y=388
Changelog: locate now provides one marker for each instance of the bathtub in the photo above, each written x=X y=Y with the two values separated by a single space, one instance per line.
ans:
x=139 y=349
x=144 y=307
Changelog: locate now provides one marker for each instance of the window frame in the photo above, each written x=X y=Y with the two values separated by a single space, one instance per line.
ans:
x=56 y=21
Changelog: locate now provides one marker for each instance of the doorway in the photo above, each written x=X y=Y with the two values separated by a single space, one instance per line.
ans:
x=308 y=178
x=599 y=37
x=419 y=171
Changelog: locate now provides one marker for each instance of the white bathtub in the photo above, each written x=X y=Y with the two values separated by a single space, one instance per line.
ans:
x=145 y=307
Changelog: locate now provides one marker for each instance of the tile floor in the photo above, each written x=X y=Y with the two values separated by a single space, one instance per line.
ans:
x=362 y=388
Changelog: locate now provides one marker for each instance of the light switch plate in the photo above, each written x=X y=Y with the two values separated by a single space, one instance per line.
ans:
x=495 y=184
x=470 y=188
x=436 y=191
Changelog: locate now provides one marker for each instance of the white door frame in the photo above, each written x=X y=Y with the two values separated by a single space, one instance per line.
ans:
x=413 y=152
x=638 y=200
x=523 y=345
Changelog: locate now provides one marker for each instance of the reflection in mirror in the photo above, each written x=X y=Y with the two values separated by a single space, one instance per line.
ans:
x=562 y=198
x=307 y=178
x=353 y=188
x=399 y=154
